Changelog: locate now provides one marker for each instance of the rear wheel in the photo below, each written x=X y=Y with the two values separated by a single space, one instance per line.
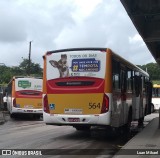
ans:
x=140 y=121
x=12 y=115
x=127 y=127
x=125 y=130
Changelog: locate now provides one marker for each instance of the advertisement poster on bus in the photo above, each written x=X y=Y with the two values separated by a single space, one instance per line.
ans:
x=76 y=63
x=28 y=84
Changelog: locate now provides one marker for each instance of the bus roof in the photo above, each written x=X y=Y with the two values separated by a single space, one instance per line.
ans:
x=76 y=49
x=129 y=64
x=16 y=77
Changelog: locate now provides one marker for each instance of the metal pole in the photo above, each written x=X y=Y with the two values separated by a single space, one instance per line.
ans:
x=29 y=61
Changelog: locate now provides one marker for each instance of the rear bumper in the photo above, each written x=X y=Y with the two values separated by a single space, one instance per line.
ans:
x=59 y=119
x=27 y=111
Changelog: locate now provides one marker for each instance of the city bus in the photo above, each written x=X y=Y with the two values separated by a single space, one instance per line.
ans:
x=156 y=97
x=87 y=87
x=24 y=96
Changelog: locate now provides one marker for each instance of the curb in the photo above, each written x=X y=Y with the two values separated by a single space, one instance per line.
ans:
x=145 y=136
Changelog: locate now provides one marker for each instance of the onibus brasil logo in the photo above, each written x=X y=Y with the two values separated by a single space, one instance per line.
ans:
x=24 y=84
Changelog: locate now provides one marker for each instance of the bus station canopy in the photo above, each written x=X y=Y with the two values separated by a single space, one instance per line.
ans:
x=145 y=15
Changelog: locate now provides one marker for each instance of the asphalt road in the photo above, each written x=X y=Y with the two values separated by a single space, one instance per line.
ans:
x=28 y=133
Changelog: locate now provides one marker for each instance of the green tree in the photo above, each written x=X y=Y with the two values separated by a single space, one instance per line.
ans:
x=153 y=70
x=6 y=73
x=34 y=68
x=24 y=65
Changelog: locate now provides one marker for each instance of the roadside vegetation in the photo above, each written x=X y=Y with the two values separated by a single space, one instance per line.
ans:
x=23 y=69
x=154 y=71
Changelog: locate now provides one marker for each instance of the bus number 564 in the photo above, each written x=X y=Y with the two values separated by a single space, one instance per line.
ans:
x=94 y=105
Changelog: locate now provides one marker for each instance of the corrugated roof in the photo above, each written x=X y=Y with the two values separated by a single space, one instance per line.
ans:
x=145 y=15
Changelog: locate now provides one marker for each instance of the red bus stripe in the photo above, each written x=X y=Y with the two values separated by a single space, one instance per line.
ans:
x=97 y=87
x=19 y=94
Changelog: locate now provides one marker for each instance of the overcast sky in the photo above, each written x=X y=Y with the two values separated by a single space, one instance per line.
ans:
x=59 y=24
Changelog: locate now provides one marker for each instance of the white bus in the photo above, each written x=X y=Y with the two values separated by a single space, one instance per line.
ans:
x=24 y=95
x=156 y=97
x=84 y=87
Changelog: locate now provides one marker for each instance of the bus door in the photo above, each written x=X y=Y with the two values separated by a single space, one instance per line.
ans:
x=142 y=98
x=119 y=94
x=123 y=86
x=137 y=97
x=148 y=87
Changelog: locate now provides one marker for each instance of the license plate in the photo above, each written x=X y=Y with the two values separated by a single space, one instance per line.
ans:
x=28 y=106
x=29 y=110
x=73 y=111
x=73 y=119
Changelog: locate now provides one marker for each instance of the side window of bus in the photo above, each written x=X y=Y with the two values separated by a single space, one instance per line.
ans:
x=153 y=92
x=123 y=79
x=137 y=84
x=156 y=92
x=129 y=79
x=116 y=74
x=145 y=86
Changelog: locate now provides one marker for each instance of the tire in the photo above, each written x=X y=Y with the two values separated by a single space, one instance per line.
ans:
x=128 y=125
x=140 y=122
x=12 y=115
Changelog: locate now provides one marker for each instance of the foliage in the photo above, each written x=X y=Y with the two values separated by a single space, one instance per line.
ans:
x=32 y=69
x=153 y=69
x=6 y=73
x=156 y=81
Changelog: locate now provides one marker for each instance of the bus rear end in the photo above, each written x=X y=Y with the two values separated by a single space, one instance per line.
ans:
x=74 y=86
x=27 y=96
x=156 y=97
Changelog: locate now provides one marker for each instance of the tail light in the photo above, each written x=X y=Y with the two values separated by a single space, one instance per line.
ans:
x=14 y=102
x=45 y=104
x=105 y=105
